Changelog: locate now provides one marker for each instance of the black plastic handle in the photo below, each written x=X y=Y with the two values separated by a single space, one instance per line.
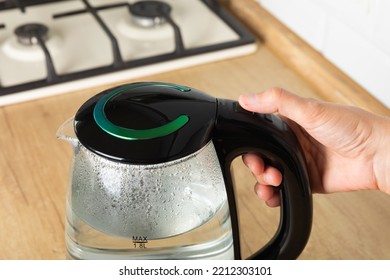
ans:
x=238 y=132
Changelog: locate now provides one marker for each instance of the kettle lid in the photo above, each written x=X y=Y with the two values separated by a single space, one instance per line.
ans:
x=147 y=122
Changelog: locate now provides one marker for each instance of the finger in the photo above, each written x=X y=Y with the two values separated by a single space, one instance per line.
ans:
x=254 y=162
x=264 y=192
x=276 y=100
x=268 y=194
x=274 y=201
x=267 y=175
x=271 y=176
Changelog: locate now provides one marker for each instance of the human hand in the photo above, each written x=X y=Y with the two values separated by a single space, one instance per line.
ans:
x=346 y=148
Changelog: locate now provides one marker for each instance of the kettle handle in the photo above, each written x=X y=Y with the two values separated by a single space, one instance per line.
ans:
x=238 y=132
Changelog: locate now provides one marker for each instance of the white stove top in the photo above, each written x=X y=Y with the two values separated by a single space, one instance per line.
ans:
x=77 y=44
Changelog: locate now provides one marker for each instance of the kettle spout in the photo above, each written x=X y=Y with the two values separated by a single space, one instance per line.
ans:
x=66 y=132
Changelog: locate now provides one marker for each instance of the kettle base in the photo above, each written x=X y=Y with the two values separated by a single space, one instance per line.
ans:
x=196 y=252
x=212 y=240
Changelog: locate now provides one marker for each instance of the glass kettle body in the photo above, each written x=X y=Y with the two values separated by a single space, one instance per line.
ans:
x=173 y=210
x=142 y=187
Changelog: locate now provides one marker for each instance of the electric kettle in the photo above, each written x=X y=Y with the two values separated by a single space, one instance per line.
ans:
x=151 y=176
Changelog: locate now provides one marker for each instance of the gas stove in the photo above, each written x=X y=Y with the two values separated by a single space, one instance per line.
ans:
x=53 y=47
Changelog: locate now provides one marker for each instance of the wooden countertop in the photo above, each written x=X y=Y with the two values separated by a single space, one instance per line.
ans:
x=34 y=171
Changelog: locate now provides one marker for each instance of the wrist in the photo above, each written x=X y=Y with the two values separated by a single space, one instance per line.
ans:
x=381 y=160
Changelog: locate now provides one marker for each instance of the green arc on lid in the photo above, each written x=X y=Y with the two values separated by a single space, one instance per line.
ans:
x=136 y=134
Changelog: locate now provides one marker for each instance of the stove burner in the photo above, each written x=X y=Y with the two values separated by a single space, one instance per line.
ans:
x=36 y=34
x=150 y=13
x=30 y=34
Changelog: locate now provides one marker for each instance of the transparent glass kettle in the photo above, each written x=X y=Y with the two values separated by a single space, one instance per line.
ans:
x=151 y=176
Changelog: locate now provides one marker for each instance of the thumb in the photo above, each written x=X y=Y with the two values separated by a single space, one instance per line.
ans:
x=276 y=100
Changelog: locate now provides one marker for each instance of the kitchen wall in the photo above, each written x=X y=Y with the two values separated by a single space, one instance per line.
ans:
x=352 y=34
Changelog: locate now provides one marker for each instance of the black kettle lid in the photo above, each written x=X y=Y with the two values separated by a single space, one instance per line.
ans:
x=147 y=122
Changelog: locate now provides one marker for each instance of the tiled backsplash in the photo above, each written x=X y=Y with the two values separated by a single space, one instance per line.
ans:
x=352 y=34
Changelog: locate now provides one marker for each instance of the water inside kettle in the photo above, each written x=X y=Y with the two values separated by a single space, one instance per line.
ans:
x=111 y=201
x=157 y=201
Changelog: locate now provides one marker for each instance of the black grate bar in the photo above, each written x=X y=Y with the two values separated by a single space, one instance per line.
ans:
x=118 y=61
x=12 y=4
x=20 y=5
x=2 y=25
x=82 y=11
x=179 y=45
x=51 y=75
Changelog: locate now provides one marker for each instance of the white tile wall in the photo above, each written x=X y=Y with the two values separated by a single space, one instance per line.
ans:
x=353 y=34
x=297 y=18
x=382 y=27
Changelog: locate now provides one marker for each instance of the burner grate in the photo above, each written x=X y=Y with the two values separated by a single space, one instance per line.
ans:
x=179 y=46
x=20 y=4
x=118 y=63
